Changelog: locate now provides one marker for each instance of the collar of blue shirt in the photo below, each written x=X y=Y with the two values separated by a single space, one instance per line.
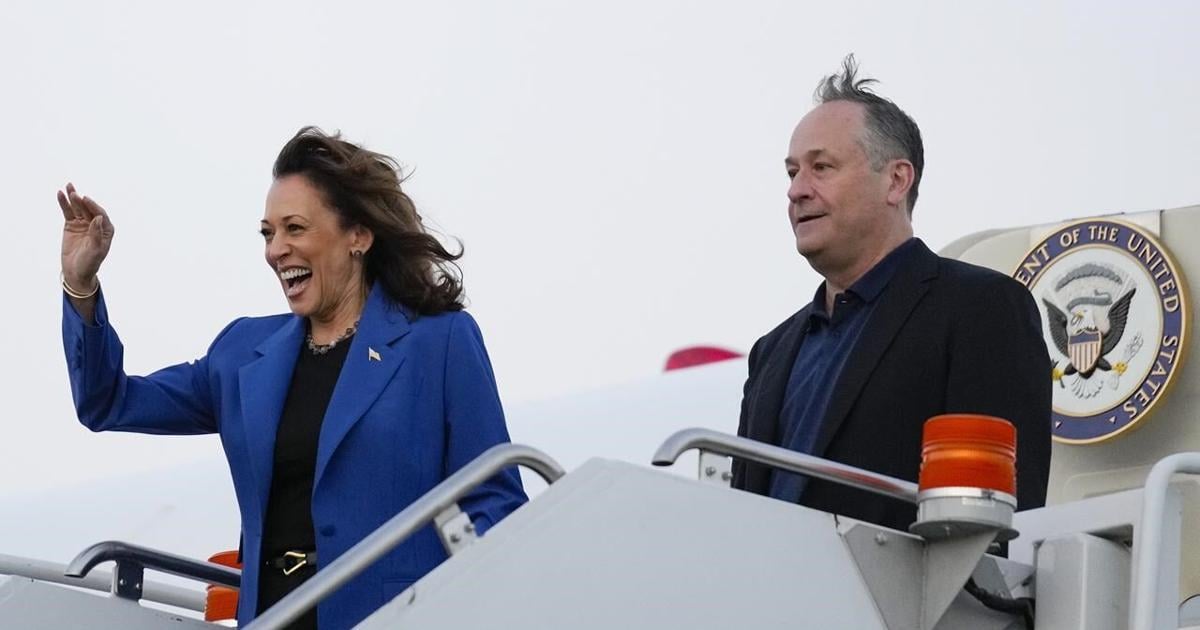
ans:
x=872 y=283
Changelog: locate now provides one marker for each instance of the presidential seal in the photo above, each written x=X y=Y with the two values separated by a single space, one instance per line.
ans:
x=1114 y=315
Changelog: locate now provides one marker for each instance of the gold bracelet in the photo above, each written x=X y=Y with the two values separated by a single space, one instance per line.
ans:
x=76 y=294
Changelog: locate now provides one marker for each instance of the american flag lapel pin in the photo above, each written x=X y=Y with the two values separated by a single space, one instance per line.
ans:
x=372 y=355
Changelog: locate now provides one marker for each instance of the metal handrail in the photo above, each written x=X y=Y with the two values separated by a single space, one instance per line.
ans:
x=99 y=580
x=402 y=525
x=152 y=559
x=778 y=457
x=1146 y=611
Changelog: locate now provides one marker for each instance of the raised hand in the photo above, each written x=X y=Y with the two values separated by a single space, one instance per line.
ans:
x=87 y=236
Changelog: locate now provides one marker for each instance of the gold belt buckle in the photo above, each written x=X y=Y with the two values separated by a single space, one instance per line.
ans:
x=300 y=556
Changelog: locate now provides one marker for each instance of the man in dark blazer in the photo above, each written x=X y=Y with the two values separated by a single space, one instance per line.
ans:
x=895 y=333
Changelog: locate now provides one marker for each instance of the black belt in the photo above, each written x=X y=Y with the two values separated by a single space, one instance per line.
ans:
x=292 y=561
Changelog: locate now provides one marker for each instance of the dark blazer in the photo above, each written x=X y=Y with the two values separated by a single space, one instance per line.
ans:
x=415 y=401
x=945 y=337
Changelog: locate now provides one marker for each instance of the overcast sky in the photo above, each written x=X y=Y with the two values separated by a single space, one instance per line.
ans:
x=614 y=169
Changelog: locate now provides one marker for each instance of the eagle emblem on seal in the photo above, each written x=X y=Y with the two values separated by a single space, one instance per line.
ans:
x=1091 y=324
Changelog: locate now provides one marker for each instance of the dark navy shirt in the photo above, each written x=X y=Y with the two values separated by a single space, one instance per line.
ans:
x=830 y=339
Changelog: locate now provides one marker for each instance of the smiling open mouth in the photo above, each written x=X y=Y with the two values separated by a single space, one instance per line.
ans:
x=295 y=279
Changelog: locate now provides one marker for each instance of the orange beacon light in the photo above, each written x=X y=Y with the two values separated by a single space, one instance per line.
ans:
x=968 y=475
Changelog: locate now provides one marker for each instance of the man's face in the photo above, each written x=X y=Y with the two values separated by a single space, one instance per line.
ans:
x=837 y=203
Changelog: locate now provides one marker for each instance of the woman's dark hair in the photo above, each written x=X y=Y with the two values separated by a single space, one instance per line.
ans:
x=363 y=188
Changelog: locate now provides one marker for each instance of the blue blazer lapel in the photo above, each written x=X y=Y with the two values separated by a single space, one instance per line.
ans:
x=264 y=385
x=369 y=367
x=896 y=303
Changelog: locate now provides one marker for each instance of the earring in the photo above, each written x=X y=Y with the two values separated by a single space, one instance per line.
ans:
x=356 y=253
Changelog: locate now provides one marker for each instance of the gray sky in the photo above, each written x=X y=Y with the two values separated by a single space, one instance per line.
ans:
x=614 y=169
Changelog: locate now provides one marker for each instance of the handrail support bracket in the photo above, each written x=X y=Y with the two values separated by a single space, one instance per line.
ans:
x=715 y=468
x=455 y=529
x=127 y=580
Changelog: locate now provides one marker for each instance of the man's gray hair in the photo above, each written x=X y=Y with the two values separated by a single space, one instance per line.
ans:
x=890 y=133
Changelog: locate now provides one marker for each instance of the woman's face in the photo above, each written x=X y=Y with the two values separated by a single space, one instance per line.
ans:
x=310 y=252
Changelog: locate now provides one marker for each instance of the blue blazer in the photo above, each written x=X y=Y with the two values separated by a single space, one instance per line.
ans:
x=395 y=427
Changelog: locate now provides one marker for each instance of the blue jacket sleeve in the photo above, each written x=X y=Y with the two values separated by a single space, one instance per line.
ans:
x=475 y=423
x=174 y=400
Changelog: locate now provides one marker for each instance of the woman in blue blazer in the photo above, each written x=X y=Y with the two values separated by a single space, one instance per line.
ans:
x=334 y=417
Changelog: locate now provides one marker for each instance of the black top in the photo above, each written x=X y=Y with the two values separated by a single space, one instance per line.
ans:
x=289 y=524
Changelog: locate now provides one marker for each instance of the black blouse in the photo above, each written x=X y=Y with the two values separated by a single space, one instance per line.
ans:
x=288 y=523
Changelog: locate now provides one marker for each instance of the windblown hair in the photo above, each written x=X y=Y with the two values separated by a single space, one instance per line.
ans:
x=363 y=188
x=890 y=133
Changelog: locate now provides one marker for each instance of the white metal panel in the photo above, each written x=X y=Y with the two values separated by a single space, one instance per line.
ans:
x=1082 y=584
x=32 y=605
x=614 y=545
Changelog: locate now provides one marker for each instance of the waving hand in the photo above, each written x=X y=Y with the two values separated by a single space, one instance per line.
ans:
x=87 y=236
